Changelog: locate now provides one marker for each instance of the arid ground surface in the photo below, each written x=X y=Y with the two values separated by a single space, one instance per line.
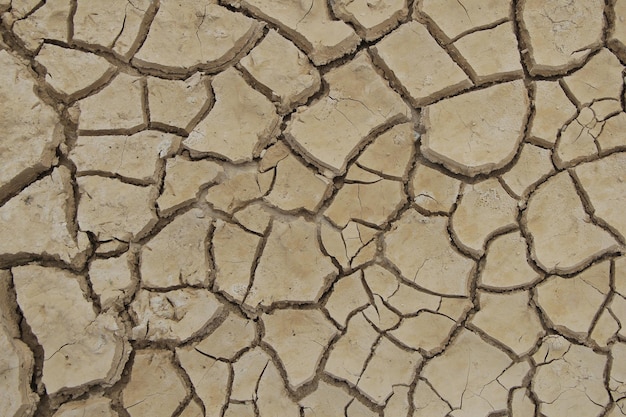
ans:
x=316 y=208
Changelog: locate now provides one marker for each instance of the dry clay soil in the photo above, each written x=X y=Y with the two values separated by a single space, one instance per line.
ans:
x=312 y=208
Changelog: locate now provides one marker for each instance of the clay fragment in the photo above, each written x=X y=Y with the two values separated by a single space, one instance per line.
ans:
x=80 y=349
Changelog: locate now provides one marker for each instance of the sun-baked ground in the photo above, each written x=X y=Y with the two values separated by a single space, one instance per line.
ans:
x=280 y=208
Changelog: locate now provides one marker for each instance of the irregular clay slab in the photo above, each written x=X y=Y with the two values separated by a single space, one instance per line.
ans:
x=476 y=132
x=331 y=130
x=618 y=370
x=47 y=22
x=563 y=240
x=406 y=299
x=391 y=152
x=234 y=252
x=384 y=283
x=111 y=279
x=426 y=331
x=297 y=187
x=234 y=410
x=43 y=209
x=381 y=316
x=238 y=187
x=178 y=103
x=308 y=24
x=482 y=389
x=365 y=254
x=283 y=69
x=612 y=138
x=506 y=265
x=577 y=140
x=552 y=111
x=427 y=73
x=521 y=404
x=111 y=247
x=348 y=295
x=352 y=246
x=484 y=209
x=94 y=406
x=618 y=39
x=272 y=398
x=604 y=182
x=455 y=307
x=209 y=377
x=231 y=337
x=492 y=53
x=420 y=247
x=192 y=35
x=498 y=311
x=115 y=25
x=398 y=403
x=300 y=338
x=560 y=35
x=61 y=64
x=273 y=155
x=16 y=368
x=20 y=8
x=358 y=175
x=455 y=18
x=605 y=328
x=255 y=217
x=589 y=288
x=247 y=371
x=177 y=255
x=9 y=317
x=372 y=203
x=372 y=19
x=381 y=282
x=571 y=377
x=620 y=275
x=153 y=372
x=533 y=165
x=136 y=156
x=428 y=402
x=388 y=366
x=175 y=315
x=355 y=237
x=184 y=179
x=357 y=409
x=600 y=78
x=605 y=108
x=81 y=348
x=433 y=190
x=118 y=106
x=617 y=308
x=112 y=209
x=31 y=130
x=326 y=400
x=239 y=125
x=349 y=354
x=331 y=241
x=292 y=267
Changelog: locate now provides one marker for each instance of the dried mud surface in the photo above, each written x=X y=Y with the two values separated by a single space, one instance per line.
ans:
x=312 y=208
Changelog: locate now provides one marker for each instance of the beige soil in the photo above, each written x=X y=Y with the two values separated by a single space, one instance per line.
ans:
x=336 y=208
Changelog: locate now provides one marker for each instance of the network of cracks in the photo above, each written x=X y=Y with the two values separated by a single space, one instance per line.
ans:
x=312 y=208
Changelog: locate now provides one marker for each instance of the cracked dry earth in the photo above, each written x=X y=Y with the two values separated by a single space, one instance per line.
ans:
x=307 y=208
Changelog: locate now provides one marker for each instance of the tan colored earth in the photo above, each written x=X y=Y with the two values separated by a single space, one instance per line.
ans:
x=312 y=208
